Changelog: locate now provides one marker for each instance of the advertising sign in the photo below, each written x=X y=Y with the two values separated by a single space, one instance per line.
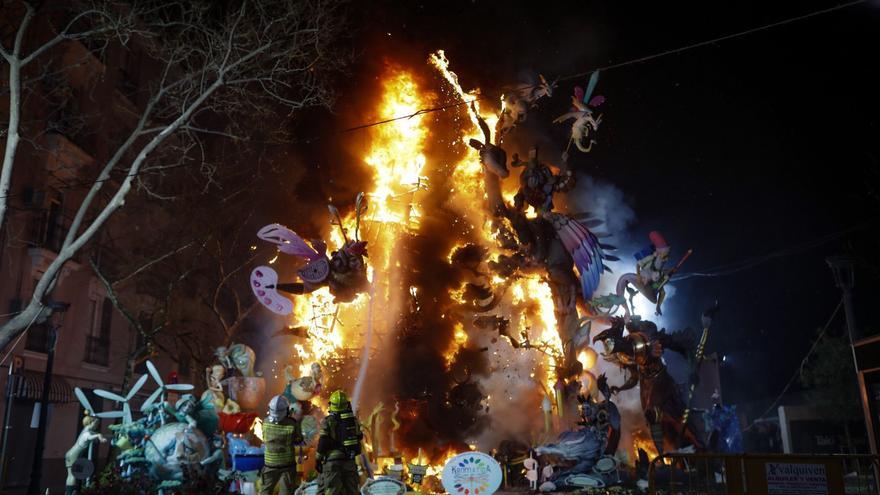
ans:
x=796 y=479
x=472 y=473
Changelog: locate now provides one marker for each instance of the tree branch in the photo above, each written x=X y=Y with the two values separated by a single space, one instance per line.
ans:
x=114 y=298
x=152 y=262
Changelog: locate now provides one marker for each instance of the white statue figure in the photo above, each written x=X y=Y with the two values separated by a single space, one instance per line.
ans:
x=214 y=377
x=531 y=466
x=83 y=441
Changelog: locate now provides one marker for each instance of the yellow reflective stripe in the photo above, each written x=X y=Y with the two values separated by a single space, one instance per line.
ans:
x=279 y=459
x=278 y=440
x=346 y=415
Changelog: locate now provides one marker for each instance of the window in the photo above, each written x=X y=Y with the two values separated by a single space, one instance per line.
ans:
x=62 y=100
x=37 y=338
x=53 y=227
x=47 y=220
x=98 y=339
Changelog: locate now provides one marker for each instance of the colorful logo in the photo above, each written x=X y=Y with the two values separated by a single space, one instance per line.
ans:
x=472 y=473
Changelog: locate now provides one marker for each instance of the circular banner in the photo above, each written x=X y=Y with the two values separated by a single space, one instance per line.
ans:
x=383 y=485
x=472 y=473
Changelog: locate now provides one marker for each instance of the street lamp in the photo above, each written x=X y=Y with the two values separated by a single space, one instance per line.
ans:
x=844 y=279
x=58 y=309
x=842 y=269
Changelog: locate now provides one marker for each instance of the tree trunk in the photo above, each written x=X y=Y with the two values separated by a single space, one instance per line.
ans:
x=12 y=137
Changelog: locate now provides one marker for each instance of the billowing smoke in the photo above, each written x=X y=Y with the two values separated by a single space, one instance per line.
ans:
x=606 y=202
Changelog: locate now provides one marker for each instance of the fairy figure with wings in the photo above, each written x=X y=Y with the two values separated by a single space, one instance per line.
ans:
x=651 y=274
x=583 y=130
x=344 y=271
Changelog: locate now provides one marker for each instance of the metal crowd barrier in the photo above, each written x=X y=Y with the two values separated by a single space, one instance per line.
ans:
x=764 y=474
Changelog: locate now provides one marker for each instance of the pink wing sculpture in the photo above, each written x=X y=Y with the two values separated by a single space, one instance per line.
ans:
x=290 y=243
x=263 y=282
x=584 y=248
x=344 y=271
x=264 y=279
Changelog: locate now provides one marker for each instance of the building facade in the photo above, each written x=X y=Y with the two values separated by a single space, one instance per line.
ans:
x=78 y=102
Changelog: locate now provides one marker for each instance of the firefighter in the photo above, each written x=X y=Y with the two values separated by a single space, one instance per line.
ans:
x=339 y=445
x=281 y=434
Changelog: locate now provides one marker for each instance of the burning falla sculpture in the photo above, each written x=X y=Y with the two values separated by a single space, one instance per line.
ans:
x=344 y=271
x=640 y=353
x=563 y=245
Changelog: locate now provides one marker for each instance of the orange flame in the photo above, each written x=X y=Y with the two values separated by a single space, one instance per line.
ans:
x=642 y=440
x=396 y=159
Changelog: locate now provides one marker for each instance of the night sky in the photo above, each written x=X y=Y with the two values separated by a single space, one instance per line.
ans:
x=737 y=149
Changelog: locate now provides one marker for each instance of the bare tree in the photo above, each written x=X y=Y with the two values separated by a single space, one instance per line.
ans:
x=90 y=22
x=239 y=59
x=198 y=286
x=147 y=343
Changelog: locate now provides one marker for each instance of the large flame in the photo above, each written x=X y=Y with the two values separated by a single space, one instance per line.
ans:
x=396 y=155
x=396 y=159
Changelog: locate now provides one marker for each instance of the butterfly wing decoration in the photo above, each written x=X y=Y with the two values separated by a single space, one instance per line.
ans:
x=585 y=250
x=263 y=282
x=289 y=242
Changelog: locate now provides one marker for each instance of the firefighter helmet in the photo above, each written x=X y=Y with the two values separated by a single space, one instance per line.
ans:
x=279 y=406
x=339 y=401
